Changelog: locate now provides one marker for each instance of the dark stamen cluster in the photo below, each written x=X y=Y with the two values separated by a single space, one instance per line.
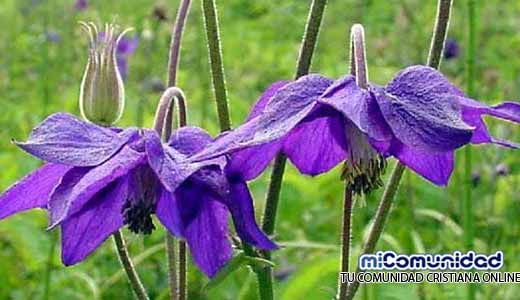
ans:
x=137 y=215
x=365 y=176
x=140 y=205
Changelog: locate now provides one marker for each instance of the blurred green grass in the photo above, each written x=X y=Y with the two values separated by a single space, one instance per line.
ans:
x=260 y=45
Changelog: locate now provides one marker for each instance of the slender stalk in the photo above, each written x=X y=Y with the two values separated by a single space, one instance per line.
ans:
x=436 y=47
x=128 y=266
x=310 y=37
x=358 y=68
x=440 y=32
x=183 y=268
x=50 y=263
x=215 y=59
x=345 y=241
x=170 y=259
x=175 y=45
x=467 y=206
x=177 y=284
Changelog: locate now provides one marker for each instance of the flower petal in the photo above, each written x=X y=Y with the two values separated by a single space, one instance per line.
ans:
x=357 y=105
x=86 y=230
x=65 y=139
x=260 y=104
x=249 y=163
x=421 y=83
x=32 y=191
x=318 y=143
x=171 y=166
x=167 y=212
x=81 y=184
x=240 y=204
x=189 y=140
x=282 y=113
x=435 y=167
x=205 y=228
x=472 y=112
x=430 y=123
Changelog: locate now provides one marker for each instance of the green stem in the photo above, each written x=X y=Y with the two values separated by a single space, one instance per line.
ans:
x=345 y=241
x=467 y=206
x=183 y=269
x=310 y=37
x=50 y=263
x=440 y=32
x=177 y=289
x=170 y=258
x=128 y=266
x=215 y=60
x=436 y=47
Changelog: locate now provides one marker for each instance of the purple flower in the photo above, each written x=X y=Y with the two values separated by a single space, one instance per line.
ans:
x=97 y=180
x=81 y=5
x=419 y=118
x=451 y=49
x=125 y=47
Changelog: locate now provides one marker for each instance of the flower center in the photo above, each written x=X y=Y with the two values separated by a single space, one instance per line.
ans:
x=142 y=200
x=364 y=166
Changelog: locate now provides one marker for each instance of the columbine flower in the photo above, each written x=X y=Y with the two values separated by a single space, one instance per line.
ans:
x=97 y=180
x=419 y=118
x=102 y=93
x=451 y=49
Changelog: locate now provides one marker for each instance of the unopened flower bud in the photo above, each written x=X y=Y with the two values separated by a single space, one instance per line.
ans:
x=102 y=94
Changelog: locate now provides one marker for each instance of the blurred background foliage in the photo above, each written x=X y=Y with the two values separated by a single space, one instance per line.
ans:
x=43 y=53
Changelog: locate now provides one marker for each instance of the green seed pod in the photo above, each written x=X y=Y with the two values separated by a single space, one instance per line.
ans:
x=102 y=93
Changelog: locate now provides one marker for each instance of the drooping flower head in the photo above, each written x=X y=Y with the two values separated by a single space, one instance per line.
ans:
x=419 y=118
x=102 y=94
x=97 y=180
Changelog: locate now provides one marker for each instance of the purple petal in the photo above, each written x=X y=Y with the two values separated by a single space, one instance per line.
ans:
x=240 y=204
x=282 y=113
x=171 y=166
x=189 y=140
x=250 y=162
x=213 y=179
x=264 y=98
x=472 y=112
x=167 y=212
x=205 y=228
x=318 y=143
x=435 y=167
x=65 y=139
x=421 y=108
x=32 y=191
x=421 y=82
x=77 y=189
x=357 y=105
x=86 y=230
